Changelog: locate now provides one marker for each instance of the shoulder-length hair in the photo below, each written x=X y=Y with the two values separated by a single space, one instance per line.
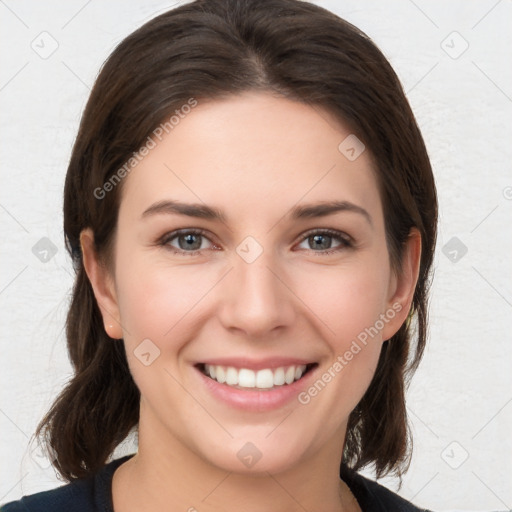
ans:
x=209 y=49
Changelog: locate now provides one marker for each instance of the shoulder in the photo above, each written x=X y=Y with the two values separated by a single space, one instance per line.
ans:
x=91 y=494
x=373 y=497
x=78 y=496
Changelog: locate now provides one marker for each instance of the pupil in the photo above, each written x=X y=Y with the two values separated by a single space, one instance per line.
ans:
x=321 y=241
x=190 y=240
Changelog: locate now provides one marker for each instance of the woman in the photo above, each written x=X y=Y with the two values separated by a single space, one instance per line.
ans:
x=252 y=216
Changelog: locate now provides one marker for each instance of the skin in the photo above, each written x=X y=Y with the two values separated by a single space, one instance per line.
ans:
x=253 y=156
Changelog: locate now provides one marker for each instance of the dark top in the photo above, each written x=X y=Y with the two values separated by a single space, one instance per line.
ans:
x=94 y=494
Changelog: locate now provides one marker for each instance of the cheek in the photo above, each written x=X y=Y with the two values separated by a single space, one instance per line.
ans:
x=346 y=300
x=348 y=304
x=155 y=299
x=159 y=303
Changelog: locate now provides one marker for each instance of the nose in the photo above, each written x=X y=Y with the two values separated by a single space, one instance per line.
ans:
x=256 y=298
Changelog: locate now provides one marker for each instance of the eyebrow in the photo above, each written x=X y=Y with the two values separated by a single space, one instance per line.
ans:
x=328 y=208
x=201 y=211
x=204 y=211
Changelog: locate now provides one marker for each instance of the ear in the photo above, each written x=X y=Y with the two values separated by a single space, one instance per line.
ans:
x=102 y=283
x=402 y=287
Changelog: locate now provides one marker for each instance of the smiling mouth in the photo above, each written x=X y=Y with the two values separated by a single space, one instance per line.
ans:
x=264 y=379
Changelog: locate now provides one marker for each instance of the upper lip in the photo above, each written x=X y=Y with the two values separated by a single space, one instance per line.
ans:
x=256 y=364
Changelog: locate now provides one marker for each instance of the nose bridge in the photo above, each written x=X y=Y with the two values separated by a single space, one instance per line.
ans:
x=256 y=301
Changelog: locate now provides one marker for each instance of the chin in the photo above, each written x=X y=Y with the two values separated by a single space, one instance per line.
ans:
x=257 y=454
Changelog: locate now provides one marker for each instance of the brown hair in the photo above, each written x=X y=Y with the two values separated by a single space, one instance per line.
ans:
x=209 y=49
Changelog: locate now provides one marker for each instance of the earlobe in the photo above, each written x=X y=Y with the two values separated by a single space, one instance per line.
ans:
x=402 y=292
x=102 y=284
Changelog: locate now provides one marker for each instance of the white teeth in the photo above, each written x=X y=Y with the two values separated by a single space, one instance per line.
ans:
x=246 y=378
x=264 y=379
x=289 y=376
x=279 y=377
x=261 y=379
x=231 y=377
x=220 y=374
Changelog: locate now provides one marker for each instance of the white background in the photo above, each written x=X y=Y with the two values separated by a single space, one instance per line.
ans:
x=462 y=393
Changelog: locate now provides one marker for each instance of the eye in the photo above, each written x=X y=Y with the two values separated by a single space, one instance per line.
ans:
x=321 y=241
x=189 y=241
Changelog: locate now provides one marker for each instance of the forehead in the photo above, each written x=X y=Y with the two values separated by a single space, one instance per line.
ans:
x=253 y=154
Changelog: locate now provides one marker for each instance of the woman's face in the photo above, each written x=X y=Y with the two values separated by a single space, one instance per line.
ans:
x=251 y=244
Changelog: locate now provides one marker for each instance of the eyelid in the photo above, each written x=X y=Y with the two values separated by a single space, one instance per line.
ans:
x=329 y=231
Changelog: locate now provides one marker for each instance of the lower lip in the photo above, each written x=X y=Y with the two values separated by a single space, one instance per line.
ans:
x=253 y=399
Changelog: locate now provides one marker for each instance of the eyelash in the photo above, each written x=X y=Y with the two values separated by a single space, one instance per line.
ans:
x=346 y=242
